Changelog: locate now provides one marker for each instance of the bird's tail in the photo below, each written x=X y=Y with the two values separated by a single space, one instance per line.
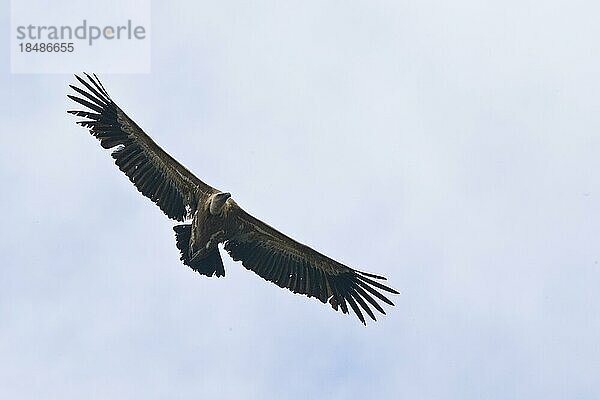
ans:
x=209 y=265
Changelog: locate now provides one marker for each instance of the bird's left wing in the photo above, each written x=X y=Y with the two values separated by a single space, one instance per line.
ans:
x=292 y=265
x=154 y=173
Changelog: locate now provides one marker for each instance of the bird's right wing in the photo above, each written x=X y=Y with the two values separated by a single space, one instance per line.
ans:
x=154 y=173
x=297 y=267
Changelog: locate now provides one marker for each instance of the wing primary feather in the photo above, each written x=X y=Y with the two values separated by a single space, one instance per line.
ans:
x=85 y=114
x=374 y=292
x=377 y=284
x=355 y=308
x=372 y=275
x=337 y=287
x=86 y=103
x=370 y=299
x=100 y=95
x=97 y=83
x=333 y=300
x=362 y=303
x=337 y=299
x=88 y=96
x=111 y=142
x=342 y=301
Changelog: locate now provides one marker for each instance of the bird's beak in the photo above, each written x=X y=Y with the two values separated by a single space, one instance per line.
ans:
x=227 y=195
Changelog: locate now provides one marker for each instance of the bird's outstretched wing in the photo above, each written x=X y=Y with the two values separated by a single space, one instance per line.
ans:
x=154 y=173
x=292 y=265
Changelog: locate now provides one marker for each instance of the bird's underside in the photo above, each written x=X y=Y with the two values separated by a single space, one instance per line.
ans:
x=211 y=217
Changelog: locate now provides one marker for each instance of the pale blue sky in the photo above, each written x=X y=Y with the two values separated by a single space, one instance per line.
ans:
x=453 y=147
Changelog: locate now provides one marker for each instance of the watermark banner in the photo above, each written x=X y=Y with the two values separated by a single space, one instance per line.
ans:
x=65 y=36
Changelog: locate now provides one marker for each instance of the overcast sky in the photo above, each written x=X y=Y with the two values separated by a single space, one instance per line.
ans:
x=453 y=147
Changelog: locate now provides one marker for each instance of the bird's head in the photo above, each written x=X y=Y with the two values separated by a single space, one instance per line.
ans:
x=217 y=202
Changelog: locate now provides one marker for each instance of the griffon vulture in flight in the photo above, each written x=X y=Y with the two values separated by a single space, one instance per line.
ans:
x=216 y=217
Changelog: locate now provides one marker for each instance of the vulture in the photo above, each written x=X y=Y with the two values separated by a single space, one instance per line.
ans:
x=210 y=217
